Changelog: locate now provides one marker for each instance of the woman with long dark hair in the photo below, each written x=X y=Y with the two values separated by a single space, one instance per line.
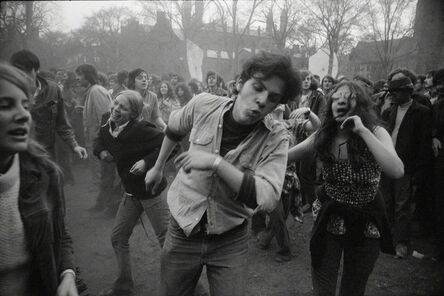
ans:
x=36 y=253
x=167 y=101
x=351 y=219
x=182 y=93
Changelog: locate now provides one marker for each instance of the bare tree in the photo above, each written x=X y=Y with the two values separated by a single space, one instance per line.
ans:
x=187 y=16
x=306 y=36
x=390 y=21
x=335 y=20
x=229 y=12
x=102 y=32
x=21 y=22
x=290 y=18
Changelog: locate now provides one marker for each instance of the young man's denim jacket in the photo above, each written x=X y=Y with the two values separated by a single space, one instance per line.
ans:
x=263 y=154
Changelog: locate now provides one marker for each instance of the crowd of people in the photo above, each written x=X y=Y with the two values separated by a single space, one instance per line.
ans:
x=214 y=163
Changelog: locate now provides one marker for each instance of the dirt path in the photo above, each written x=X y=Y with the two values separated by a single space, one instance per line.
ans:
x=95 y=256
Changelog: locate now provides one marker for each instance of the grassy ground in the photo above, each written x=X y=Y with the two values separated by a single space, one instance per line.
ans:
x=95 y=256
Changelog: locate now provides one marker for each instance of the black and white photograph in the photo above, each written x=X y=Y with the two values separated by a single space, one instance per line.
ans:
x=222 y=148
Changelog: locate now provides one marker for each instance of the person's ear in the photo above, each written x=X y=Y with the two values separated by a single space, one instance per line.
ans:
x=239 y=85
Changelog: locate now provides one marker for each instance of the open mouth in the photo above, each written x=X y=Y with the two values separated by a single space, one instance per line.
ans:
x=341 y=113
x=19 y=133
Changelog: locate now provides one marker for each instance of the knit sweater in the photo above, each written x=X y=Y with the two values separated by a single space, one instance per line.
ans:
x=14 y=255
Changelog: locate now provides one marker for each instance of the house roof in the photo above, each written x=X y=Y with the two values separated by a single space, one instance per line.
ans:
x=367 y=51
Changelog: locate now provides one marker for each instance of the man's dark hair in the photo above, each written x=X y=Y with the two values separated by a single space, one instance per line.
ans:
x=122 y=75
x=378 y=86
x=407 y=72
x=90 y=73
x=132 y=77
x=268 y=65
x=193 y=85
x=25 y=60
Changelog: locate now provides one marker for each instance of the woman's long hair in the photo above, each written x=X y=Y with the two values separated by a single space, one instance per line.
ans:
x=186 y=93
x=170 y=90
x=23 y=82
x=364 y=109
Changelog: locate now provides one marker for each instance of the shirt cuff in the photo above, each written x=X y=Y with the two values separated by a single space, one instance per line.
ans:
x=173 y=136
x=67 y=271
x=247 y=191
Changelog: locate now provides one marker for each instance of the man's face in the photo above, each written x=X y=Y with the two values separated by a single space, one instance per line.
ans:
x=141 y=81
x=326 y=84
x=428 y=81
x=306 y=82
x=257 y=98
x=400 y=96
x=174 y=80
x=81 y=79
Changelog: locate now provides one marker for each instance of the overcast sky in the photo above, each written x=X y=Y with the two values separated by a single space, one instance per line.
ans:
x=73 y=13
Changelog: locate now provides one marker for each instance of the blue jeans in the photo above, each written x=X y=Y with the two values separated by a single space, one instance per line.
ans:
x=359 y=262
x=224 y=255
x=128 y=214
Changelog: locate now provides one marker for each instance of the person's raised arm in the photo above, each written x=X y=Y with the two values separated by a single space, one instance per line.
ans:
x=301 y=150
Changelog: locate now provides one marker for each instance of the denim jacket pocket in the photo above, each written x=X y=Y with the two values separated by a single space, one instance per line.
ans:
x=200 y=138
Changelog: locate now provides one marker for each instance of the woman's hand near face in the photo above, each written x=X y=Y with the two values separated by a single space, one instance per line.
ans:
x=355 y=124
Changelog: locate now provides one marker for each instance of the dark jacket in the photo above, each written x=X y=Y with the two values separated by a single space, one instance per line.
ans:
x=414 y=141
x=438 y=119
x=42 y=208
x=49 y=116
x=139 y=140
x=316 y=103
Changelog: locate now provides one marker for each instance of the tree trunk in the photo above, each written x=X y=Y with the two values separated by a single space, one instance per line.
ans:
x=28 y=21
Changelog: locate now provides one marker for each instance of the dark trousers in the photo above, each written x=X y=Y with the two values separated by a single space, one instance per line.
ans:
x=277 y=226
x=398 y=196
x=439 y=201
x=110 y=193
x=359 y=262
x=307 y=177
